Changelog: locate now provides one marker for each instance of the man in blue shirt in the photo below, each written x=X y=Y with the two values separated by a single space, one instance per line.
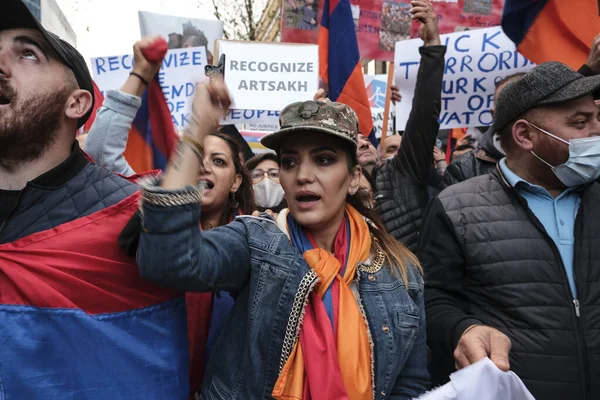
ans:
x=512 y=259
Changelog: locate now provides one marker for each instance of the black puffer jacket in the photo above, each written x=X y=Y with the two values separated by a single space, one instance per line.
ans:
x=488 y=260
x=401 y=184
x=480 y=161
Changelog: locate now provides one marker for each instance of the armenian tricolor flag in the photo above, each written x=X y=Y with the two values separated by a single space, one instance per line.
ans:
x=339 y=61
x=152 y=136
x=78 y=321
x=552 y=30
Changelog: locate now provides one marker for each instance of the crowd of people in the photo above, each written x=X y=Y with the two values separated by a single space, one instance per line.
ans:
x=324 y=269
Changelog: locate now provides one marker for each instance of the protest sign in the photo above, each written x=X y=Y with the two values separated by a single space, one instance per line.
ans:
x=475 y=61
x=381 y=23
x=180 y=71
x=182 y=32
x=376 y=91
x=262 y=120
x=272 y=75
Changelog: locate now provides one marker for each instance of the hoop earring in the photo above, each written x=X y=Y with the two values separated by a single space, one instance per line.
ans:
x=234 y=202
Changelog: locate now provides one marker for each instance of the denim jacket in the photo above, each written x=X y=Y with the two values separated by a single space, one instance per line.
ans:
x=107 y=138
x=270 y=281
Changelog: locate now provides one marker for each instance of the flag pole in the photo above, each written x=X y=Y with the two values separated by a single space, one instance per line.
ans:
x=388 y=100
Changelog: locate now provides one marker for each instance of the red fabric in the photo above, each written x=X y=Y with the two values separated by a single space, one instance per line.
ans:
x=78 y=265
x=199 y=307
x=323 y=375
x=98 y=100
x=157 y=50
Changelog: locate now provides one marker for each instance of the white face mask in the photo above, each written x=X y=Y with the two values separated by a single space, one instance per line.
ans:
x=583 y=165
x=267 y=193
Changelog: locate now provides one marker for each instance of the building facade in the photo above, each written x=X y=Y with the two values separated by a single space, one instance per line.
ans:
x=35 y=7
x=52 y=18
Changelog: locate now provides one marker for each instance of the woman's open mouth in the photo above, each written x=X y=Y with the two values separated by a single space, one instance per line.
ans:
x=307 y=200
x=209 y=184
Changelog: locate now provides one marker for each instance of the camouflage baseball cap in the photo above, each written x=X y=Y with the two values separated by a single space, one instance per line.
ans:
x=315 y=116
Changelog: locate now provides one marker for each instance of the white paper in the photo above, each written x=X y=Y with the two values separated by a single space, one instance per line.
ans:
x=269 y=76
x=481 y=381
x=475 y=60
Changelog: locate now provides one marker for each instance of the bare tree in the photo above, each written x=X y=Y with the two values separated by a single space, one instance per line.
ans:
x=239 y=16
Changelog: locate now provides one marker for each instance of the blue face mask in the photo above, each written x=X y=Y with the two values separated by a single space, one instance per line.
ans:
x=583 y=165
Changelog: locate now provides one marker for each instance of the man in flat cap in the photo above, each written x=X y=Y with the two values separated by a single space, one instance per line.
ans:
x=512 y=259
x=77 y=321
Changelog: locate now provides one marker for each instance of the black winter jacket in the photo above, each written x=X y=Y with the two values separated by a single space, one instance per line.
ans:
x=73 y=189
x=480 y=161
x=401 y=184
x=488 y=260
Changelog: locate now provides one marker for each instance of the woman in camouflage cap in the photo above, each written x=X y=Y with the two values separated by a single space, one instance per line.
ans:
x=327 y=304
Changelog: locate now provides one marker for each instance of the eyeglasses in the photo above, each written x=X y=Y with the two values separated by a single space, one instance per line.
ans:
x=258 y=174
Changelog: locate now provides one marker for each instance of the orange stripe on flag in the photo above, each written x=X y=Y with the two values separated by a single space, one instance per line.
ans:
x=355 y=95
x=137 y=153
x=563 y=31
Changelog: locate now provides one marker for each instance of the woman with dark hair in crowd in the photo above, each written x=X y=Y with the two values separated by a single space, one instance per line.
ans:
x=327 y=304
x=228 y=194
x=268 y=193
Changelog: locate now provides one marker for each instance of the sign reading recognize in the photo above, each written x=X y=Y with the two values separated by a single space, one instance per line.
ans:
x=269 y=75
x=180 y=71
x=475 y=61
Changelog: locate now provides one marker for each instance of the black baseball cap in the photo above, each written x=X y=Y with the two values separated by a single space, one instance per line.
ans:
x=16 y=15
x=549 y=83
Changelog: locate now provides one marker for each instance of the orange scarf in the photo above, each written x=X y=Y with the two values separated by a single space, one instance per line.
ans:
x=352 y=347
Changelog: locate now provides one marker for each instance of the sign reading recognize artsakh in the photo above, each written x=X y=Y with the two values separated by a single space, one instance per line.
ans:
x=269 y=76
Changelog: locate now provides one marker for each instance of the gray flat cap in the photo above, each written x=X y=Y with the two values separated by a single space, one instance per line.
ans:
x=548 y=83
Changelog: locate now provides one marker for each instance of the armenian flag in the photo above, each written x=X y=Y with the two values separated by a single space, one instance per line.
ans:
x=339 y=61
x=78 y=321
x=152 y=136
x=552 y=30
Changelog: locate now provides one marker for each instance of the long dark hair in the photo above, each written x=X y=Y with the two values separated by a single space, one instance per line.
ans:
x=244 y=195
x=399 y=256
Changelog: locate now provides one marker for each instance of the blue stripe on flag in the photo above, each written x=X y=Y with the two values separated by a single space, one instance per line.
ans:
x=325 y=17
x=343 y=48
x=518 y=16
x=67 y=354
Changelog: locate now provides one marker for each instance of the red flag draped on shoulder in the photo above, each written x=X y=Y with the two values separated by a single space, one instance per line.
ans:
x=552 y=30
x=339 y=61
